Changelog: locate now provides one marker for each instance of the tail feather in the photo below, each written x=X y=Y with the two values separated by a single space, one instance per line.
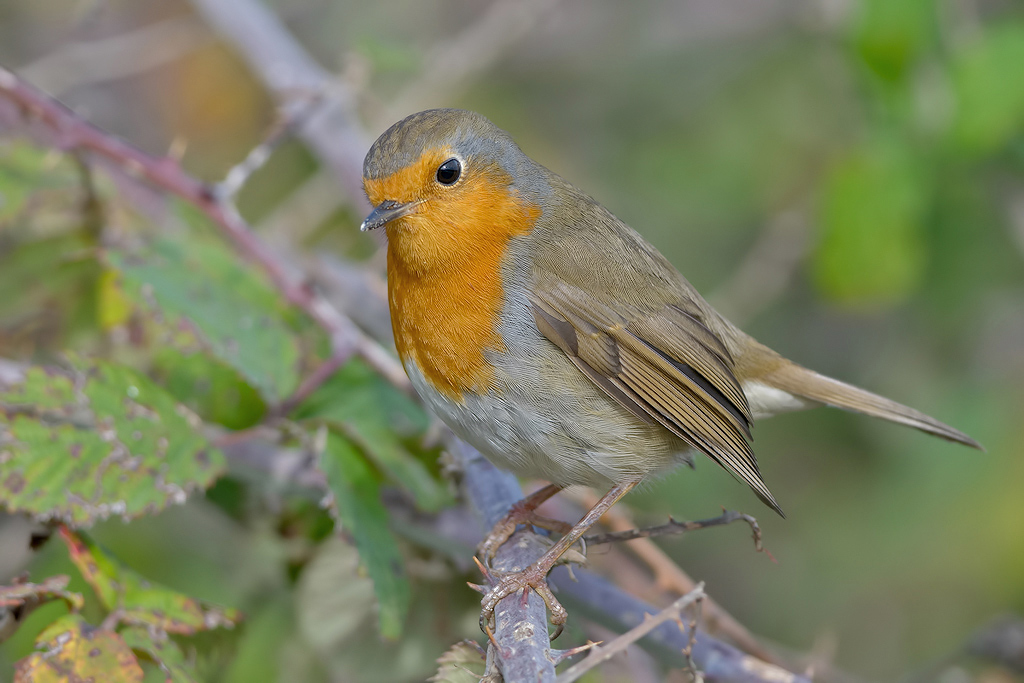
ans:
x=805 y=383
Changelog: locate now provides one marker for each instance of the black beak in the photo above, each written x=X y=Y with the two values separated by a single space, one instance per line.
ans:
x=385 y=212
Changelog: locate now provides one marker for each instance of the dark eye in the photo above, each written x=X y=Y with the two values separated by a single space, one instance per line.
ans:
x=449 y=172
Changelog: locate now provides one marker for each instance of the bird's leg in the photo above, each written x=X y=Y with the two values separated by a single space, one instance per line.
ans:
x=535 y=576
x=521 y=512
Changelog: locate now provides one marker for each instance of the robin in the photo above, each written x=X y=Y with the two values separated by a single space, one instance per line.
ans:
x=552 y=337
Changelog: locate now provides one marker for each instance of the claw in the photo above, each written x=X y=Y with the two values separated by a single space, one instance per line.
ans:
x=531 y=577
x=484 y=570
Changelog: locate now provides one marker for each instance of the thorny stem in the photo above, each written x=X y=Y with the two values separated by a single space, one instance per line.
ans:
x=74 y=133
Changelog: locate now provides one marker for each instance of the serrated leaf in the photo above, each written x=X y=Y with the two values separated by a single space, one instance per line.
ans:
x=375 y=415
x=462 y=663
x=34 y=594
x=139 y=601
x=989 y=89
x=239 y=317
x=872 y=251
x=164 y=652
x=76 y=651
x=356 y=495
x=97 y=441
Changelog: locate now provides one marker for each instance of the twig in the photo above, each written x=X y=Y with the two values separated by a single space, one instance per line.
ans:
x=668 y=576
x=673 y=527
x=594 y=597
x=73 y=133
x=332 y=131
x=240 y=173
x=602 y=654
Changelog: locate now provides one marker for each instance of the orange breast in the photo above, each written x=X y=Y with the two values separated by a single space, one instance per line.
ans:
x=445 y=273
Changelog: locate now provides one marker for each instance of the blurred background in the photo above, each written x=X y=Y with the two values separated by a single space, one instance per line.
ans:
x=842 y=178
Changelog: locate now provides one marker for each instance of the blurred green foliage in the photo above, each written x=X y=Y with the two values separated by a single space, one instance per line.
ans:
x=894 y=130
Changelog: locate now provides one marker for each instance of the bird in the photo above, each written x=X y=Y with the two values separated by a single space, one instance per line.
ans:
x=557 y=341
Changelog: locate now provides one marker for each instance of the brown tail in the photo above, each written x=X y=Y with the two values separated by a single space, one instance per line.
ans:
x=805 y=383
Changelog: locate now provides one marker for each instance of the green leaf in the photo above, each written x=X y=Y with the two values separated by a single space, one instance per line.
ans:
x=214 y=390
x=95 y=441
x=60 y=303
x=989 y=89
x=140 y=602
x=239 y=317
x=163 y=651
x=462 y=663
x=29 y=173
x=356 y=494
x=375 y=416
x=76 y=651
x=872 y=250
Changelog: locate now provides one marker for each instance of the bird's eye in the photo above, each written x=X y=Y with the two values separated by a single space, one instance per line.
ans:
x=449 y=172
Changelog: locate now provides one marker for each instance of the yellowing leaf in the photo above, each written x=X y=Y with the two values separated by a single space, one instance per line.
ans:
x=76 y=651
x=139 y=601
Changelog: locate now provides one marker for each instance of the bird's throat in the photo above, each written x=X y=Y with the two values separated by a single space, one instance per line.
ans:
x=446 y=292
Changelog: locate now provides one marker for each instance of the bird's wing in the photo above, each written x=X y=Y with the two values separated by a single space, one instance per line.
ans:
x=661 y=362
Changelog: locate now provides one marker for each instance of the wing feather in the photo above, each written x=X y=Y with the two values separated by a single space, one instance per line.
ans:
x=663 y=365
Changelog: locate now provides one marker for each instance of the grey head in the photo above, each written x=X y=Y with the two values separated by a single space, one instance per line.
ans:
x=470 y=137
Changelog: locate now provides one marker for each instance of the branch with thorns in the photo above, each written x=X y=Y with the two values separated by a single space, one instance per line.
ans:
x=673 y=527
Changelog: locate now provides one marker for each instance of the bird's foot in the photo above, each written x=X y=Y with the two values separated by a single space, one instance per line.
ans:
x=533 y=577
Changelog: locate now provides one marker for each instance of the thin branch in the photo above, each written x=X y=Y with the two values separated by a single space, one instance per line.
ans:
x=604 y=602
x=674 y=528
x=332 y=131
x=73 y=133
x=310 y=383
x=602 y=654
x=239 y=174
x=668 y=576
